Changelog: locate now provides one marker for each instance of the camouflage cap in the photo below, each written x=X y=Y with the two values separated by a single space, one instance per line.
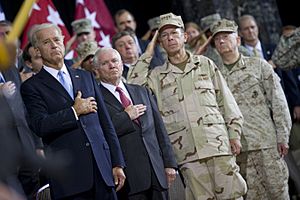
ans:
x=170 y=19
x=86 y=48
x=82 y=26
x=207 y=21
x=153 y=23
x=223 y=25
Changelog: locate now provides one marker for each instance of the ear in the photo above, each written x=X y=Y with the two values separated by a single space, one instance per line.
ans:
x=37 y=51
x=238 y=40
x=185 y=35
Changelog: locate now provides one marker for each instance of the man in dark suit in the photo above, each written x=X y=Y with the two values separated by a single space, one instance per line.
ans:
x=146 y=147
x=74 y=125
x=27 y=174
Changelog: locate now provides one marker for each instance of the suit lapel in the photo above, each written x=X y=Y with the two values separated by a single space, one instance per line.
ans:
x=110 y=99
x=49 y=81
x=76 y=80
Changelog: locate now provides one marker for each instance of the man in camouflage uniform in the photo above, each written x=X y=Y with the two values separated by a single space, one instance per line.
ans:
x=201 y=116
x=286 y=55
x=267 y=125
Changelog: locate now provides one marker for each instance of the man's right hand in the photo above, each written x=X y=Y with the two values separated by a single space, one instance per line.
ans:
x=135 y=111
x=150 y=48
x=84 y=106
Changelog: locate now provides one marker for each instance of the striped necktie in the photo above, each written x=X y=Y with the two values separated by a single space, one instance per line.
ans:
x=125 y=101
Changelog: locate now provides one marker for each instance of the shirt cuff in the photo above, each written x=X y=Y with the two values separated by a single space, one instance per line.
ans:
x=75 y=114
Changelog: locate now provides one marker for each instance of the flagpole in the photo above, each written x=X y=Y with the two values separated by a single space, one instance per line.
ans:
x=20 y=20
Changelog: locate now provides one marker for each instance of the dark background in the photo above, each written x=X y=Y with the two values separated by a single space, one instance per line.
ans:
x=270 y=14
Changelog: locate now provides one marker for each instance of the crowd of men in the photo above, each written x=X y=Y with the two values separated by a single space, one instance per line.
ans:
x=212 y=104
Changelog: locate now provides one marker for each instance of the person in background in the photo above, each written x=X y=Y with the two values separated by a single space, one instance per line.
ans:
x=143 y=138
x=287 y=51
x=196 y=36
x=266 y=130
x=66 y=109
x=202 y=118
x=153 y=24
x=125 y=44
x=125 y=21
x=83 y=31
x=32 y=62
x=86 y=51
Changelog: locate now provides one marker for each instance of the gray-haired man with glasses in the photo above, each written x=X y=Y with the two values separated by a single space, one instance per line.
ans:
x=201 y=116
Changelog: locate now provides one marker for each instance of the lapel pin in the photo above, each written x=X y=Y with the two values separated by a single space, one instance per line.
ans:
x=76 y=76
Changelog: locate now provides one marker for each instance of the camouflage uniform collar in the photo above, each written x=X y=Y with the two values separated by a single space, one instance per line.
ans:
x=193 y=62
x=240 y=64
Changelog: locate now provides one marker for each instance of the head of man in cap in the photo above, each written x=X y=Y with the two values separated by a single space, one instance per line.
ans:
x=171 y=34
x=207 y=21
x=86 y=51
x=225 y=37
x=84 y=30
x=153 y=24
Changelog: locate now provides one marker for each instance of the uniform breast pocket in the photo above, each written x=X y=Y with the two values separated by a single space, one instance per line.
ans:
x=251 y=92
x=205 y=91
x=169 y=94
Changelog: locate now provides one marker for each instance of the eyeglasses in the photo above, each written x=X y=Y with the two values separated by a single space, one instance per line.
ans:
x=176 y=33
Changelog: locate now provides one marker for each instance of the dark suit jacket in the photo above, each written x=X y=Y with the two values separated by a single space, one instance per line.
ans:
x=27 y=171
x=145 y=145
x=91 y=139
x=18 y=110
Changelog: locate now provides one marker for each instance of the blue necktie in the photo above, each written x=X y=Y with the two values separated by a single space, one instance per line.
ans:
x=61 y=77
x=1 y=80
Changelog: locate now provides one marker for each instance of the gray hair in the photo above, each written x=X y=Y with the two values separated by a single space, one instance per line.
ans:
x=32 y=34
x=96 y=60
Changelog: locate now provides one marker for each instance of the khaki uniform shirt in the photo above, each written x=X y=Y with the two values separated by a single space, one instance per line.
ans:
x=260 y=97
x=196 y=105
x=287 y=53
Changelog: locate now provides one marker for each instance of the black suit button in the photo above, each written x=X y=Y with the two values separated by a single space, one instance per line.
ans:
x=87 y=144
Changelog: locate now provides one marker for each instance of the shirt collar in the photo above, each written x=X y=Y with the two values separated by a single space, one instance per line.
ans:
x=54 y=72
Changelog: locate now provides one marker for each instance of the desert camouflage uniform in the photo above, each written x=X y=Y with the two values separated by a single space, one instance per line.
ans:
x=287 y=53
x=201 y=116
x=262 y=102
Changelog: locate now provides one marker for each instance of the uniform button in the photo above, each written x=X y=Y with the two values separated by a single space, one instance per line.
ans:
x=87 y=144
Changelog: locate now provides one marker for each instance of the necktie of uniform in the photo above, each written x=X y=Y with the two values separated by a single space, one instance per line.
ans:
x=256 y=53
x=125 y=101
x=62 y=79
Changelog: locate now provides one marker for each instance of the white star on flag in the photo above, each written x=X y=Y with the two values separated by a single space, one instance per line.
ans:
x=80 y=2
x=54 y=17
x=92 y=17
x=36 y=7
x=105 y=40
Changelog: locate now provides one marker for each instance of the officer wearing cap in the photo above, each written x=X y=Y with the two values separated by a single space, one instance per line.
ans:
x=267 y=122
x=202 y=118
x=86 y=51
x=83 y=30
